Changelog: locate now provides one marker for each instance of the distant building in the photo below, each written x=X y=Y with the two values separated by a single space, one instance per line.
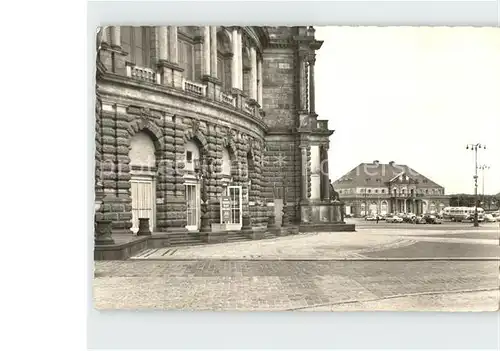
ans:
x=381 y=188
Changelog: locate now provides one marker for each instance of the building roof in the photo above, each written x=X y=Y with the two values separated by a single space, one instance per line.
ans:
x=377 y=174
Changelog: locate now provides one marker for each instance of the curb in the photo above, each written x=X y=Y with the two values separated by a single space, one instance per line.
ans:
x=339 y=259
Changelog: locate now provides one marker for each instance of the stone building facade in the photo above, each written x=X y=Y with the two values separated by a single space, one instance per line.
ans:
x=372 y=188
x=189 y=116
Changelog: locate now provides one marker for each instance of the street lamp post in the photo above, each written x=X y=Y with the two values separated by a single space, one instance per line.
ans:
x=475 y=147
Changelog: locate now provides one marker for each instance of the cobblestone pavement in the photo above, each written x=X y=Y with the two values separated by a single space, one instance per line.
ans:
x=455 y=241
x=291 y=285
x=466 y=301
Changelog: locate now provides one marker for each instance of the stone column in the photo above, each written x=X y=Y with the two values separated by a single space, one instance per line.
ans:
x=260 y=82
x=325 y=178
x=103 y=35
x=115 y=37
x=253 y=74
x=235 y=59
x=312 y=103
x=213 y=51
x=163 y=43
x=174 y=50
x=206 y=50
x=240 y=62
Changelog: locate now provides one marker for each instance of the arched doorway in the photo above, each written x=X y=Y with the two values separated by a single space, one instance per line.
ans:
x=142 y=180
x=232 y=193
x=193 y=164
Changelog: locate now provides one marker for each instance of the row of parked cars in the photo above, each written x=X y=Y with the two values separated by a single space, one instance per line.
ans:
x=427 y=218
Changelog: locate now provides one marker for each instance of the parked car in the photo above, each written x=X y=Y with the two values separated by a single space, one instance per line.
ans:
x=420 y=220
x=371 y=218
x=394 y=219
x=432 y=219
x=409 y=218
x=489 y=218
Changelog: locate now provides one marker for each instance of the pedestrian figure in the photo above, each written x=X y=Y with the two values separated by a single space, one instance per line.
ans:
x=377 y=219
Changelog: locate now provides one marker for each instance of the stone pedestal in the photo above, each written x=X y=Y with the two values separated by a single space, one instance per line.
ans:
x=239 y=98
x=246 y=228
x=103 y=232
x=213 y=87
x=171 y=74
x=285 y=220
x=143 y=227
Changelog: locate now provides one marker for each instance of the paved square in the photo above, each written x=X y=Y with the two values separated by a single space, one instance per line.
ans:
x=373 y=269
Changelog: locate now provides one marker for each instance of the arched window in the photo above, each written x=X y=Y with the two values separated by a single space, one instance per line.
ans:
x=191 y=155
x=186 y=49
x=226 y=163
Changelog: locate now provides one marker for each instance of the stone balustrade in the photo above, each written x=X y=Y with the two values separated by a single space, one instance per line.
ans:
x=142 y=73
x=149 y=75
x=195 y=88
x=227 y=98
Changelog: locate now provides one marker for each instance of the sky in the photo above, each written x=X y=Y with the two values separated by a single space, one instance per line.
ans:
x=413 y=95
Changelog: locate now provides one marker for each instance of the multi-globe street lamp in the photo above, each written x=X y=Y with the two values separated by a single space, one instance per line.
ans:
x=475 y=147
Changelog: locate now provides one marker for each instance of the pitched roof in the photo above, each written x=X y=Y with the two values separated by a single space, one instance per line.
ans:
x=377 y=174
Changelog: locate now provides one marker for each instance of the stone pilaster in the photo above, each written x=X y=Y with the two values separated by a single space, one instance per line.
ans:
x=258 y=186
x=115 y=167
x=163 y=43
x=176 y=204
x=165 y=183
x=312 y=94
x=173 y=53
x=206 y=51
x=253 y=74
x=302 y=81
x=214 y=178
x=213 y=52
x=260 y=81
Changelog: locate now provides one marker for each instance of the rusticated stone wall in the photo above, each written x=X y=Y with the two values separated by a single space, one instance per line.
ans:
x=281 y=172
